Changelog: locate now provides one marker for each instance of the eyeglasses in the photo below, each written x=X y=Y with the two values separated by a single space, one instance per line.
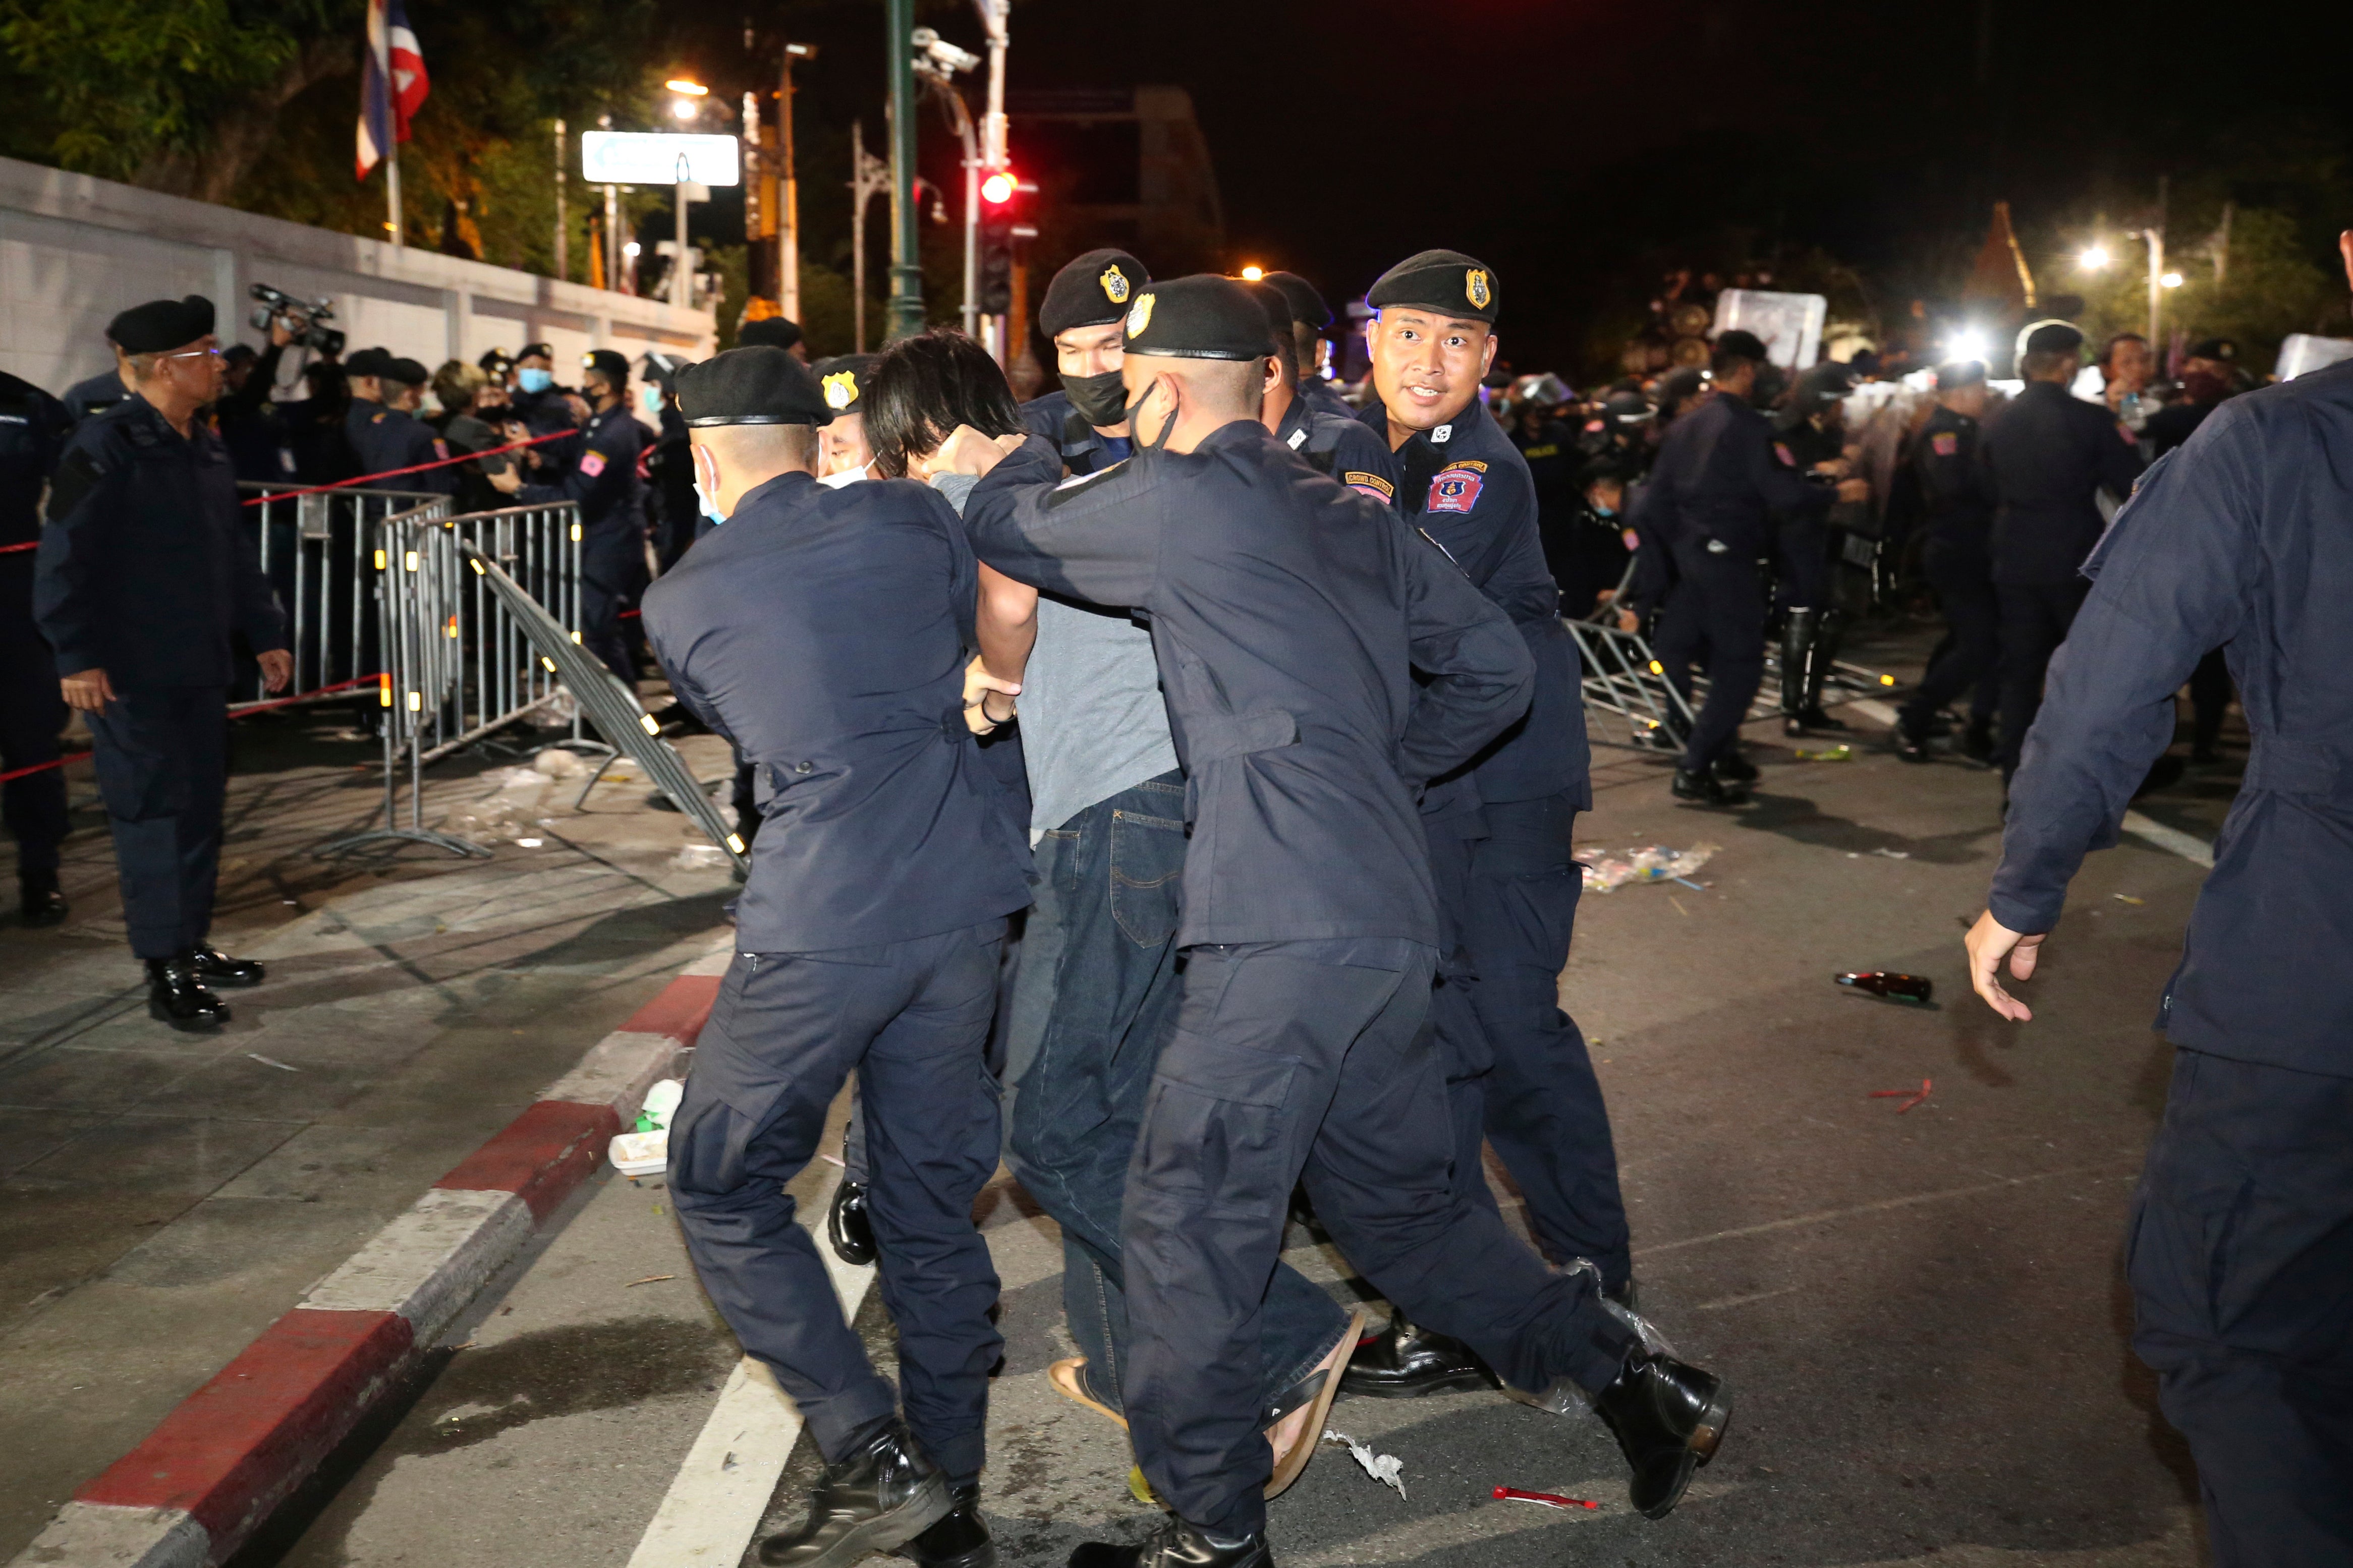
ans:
x=213 y=354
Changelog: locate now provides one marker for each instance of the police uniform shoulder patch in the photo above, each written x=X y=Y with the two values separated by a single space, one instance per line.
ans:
x=1370 y=484
x=1781 y=450
x=379 y=418
x=1945 y=443
x=1475 y=288
x=1115 y=283
x=1538 y=454
x=591 y=462
x=840 y=389
x=441 y=449
x=1139 y=315
x=1466 y=463
x=1454 y=490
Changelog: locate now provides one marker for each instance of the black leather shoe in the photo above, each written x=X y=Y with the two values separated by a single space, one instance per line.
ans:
x=215 y=967
x=1177 y=1544
x=846 y=1227
x=1910 y=743
x=879 y=1499
x=1809 y=721
x=39 y=901
x=1403 y=1361
x=177 y=996
x=1734 y=769
x=1977 y=740
x=1667 y=1418
x=959 y=1541
x=1705 y=789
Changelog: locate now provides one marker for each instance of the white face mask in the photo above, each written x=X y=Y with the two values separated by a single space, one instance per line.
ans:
x=702 y=465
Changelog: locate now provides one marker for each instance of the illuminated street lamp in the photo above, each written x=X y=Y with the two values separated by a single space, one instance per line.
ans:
x=2170 y=280
x=1252 y=274
x=2093 y=257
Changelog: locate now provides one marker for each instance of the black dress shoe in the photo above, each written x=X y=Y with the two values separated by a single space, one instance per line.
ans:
x=176 y=996
x=39 y=901
x=1667 y=1418
x=1403 y=1361
x=1705 y=789
x=1177 y=1544
x=216 y=968
x=879 y=1499
x=848 y=1227
x=1977 y=740
x=1911 y=742
x=1809 y=720
x=1732 y=768
x=959 y=1541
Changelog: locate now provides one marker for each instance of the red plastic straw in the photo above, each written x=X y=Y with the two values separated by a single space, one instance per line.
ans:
x=1549 y=1500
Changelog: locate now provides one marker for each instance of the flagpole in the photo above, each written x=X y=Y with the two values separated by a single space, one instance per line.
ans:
x=392 y=193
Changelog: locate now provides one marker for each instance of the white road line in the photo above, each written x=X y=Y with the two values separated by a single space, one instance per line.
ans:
x=1882 y=1205
x=2191 y=848
x=1872 y=709
x=714 y=1505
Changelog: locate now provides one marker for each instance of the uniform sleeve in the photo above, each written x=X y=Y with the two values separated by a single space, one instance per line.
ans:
x=1783 y=488
x=1482 y=675
x=1521 y=581
x=2171 y=580
x=596 y=476
x=84 y=500
x=1363 y=461
x=1096 y=538
x=1654 y=570
x=2119 y=456
x=425 y=447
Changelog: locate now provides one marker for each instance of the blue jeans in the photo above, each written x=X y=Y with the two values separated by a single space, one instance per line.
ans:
x=1095 y=998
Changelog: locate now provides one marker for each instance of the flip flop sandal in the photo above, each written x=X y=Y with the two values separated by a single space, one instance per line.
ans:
x=1314 y=1392
x=1068 y=1379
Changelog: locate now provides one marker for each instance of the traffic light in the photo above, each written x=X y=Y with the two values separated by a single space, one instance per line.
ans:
x=998 y=191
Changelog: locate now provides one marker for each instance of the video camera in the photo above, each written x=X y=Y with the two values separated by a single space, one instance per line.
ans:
x=312 y=334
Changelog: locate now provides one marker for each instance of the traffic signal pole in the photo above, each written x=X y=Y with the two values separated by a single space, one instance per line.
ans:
x=906 y=256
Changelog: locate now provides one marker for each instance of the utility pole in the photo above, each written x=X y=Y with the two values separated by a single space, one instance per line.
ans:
x=870 y=176
x=789 y=225
x=392 y=196
x=993 y=161
x=938 y=64
x=681 y=276
x=563 y=235
x=906 y=254
x=614 y=260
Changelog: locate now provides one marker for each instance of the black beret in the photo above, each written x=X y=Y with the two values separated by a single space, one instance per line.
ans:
x=2213 y=348
x=1743 y=343
x=498 y=362
x=610 y=363
x=1673 y=386
x=2054 y=338
x=1632 y=407
x=1955 y=374
x=1306 y=305
x=369 y=362
x=758 y=385
x=1092 y=291
x=844 y=379
x=161 y=324
x=1442 y=280
x=543 y=351
x=1277 y=308
x=768 y=332
x=407 y=371
x=1201 y=317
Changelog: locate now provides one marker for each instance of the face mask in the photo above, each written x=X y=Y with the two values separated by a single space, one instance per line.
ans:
x=1100 y=399
x=1604 y=511
x=649 y=398
x=1134 y=431
x=702 y=497
x=534 y=380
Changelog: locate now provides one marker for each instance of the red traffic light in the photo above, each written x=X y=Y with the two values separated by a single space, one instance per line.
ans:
x=998 y=187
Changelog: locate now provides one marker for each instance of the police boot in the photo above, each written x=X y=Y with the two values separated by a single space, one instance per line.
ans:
x=215 y=967
x=176 y=995
x=959 y=1541
x=1977 y=740
x=1821 y=652
x=1403 y=1361
x=848 y=1227
x=1667 y=1418
x=1798 y=628
x=1177 y=1544
x=38 y=899
x=1911 y=738
x=1734 y=769
x=1704 y=789
x=881 y=1497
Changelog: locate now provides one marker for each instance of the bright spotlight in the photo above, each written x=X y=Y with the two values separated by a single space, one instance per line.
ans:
x=1252 y=273
x=2171 y=280
x=1966 y=343
x=2093 y=258
x=692 y=89
x=683 y=108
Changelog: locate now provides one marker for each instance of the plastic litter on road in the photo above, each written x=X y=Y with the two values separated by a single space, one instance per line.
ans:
x=644 y=1150
x=1386 y=1468
x=1653 y=863
x=1909 y=1096
x=1838 y=754
x=1549 y=1500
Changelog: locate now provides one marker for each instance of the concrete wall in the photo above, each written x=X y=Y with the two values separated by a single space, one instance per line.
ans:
x=75 y=251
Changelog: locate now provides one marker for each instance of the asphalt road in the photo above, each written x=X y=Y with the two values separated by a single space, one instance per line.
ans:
x=1921 y=1313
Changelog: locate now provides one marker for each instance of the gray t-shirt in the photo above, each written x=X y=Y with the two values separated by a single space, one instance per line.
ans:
x=1092 y=719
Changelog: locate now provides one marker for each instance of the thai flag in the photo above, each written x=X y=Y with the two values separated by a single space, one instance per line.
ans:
x=393 y=82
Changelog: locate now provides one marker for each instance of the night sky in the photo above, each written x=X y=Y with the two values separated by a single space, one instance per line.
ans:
x=1582 y=147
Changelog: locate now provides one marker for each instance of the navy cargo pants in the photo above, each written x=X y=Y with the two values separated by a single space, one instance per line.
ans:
x=162 y=759
x=2240 y=1252
x=911 y=1018
x=1309 y=1059
x=1719 y=604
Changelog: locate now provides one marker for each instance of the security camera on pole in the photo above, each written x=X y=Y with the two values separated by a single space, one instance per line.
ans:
x=937 y=62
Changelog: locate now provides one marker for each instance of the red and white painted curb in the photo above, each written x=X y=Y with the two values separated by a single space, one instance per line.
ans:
x=211 y=1472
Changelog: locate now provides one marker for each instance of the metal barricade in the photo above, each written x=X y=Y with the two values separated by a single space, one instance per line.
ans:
x=315 y=548
x=457 y=662
x=1622 y=676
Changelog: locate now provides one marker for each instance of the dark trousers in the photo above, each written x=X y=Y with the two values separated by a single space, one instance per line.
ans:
x=1971 y=655
x=2241 y=1259
x=162 y=773
x=1309 y=1059
x=1718 y=600
x=31 y=713
x=612 y=576
x=1801 y=563
x=1093 y=1000
x=2034 y=621
x=1536 y=1099
x=911 y=1018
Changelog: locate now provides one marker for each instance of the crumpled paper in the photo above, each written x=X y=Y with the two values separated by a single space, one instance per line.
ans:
x=1386 y=1468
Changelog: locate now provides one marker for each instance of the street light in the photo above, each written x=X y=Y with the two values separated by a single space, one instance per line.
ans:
x=1967 y=343
x=1252 y=273
x=2171 y=280
x=2093 y=257
x=690 y=88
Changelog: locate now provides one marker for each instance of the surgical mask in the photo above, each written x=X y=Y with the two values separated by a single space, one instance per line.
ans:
x=1100 y=400
x=534 y=380
x=1127 y=417
x=702 y=497
x=1604 y=511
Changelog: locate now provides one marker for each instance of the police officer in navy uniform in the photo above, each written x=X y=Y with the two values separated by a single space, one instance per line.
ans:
x=1084 y=305
x=826 y=632
x=385 y=431
x=2240 y=1244
x=1811 y=437
x=1713 y=493
x=2051 y=453
x=1289 y=616
x=1310 y=318
x=1339 y=445
x=1500 y=832
x=603 y=478
x=96 y=393
x=34 y=428
x=146 y=573
x=1957 y=499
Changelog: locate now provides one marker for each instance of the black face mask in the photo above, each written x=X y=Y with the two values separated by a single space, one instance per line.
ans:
x=1100 y=400
x=1127 y=416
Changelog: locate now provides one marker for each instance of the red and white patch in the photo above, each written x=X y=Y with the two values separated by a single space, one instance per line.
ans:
x=591 y=462
x=1945 y=444
x=1456 y=489
x=1781 y=450
x=441 y=450
x=2128 y=439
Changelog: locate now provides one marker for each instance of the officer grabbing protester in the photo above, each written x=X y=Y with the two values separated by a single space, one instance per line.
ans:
x=146 y=572
x=1084 y=305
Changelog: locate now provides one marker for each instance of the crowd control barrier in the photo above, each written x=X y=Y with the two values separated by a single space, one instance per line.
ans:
x=315 y=550
x=1623 y=679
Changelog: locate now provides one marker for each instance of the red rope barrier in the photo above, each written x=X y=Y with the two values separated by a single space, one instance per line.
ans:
x=415 y=468
x=241 y=713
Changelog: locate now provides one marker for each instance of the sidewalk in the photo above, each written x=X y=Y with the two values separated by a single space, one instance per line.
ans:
x=165 y=1197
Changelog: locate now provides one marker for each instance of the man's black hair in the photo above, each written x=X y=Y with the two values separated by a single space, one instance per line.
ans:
x=923 y=388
